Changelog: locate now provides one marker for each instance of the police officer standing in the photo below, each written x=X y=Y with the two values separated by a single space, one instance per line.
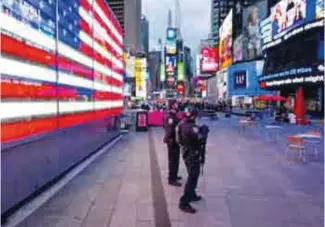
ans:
x=189 y=138
x=170 y=123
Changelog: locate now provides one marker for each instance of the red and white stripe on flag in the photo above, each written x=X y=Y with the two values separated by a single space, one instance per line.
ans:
x=47 y=83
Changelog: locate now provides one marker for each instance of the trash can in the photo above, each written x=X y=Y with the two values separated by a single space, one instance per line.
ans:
x=141 y=121
x=227 y=113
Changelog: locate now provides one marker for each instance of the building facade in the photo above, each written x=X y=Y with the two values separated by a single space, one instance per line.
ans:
x=117 y=6
x=219 y=11
x=144 y=34
x=154 y=62
x=297 y=72
x=242 y=82
x=132 y=25
x=188 y=64
x=128 y=13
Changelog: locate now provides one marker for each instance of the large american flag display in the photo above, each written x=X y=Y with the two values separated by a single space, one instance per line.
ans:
x=61 y=65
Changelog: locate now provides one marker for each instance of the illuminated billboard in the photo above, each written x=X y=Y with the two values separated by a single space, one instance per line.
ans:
x=162 y=72
x=238 y=49
x=129 y=67
x=225 y=45
x=170 y=65
x=171 y=44
x=180 y=71
x=140 y=77
x=127 y=91
x=171 y=47
x=209 y=59
x=240 y=80
x=319 y=9
x=287 y=13
x=290 y=18
x=252 y=40
x=171 y=33
x=180 y=88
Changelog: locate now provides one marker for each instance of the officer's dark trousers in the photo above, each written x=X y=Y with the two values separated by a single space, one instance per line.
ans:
x=193 y=170
x=173 y=161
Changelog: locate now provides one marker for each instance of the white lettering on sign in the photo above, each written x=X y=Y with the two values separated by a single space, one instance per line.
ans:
x=296 y=80
x=290 y=72
x=314 y=79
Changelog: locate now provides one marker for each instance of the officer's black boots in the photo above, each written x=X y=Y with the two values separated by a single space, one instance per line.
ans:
x=175 y=183
x=187 y=208
x=196 y=198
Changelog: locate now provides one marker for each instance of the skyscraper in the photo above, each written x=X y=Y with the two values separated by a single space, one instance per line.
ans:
x=128 y=13
x=144 y=34
x=188 y=61
x=154 y=61
x=219 y=11
x=132 y=25
x=117 y=6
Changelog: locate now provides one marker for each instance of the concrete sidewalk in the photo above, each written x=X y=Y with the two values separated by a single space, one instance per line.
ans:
x=114 y=191
x=246 y=183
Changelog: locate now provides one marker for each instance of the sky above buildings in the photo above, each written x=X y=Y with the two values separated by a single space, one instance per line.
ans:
x=195 y=20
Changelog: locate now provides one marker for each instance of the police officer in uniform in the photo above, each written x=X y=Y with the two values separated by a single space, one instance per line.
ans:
x=170 y=123
x=190 y=140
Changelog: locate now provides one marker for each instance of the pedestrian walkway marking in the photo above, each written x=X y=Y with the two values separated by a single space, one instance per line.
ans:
x=26 y=210
x=159 y=200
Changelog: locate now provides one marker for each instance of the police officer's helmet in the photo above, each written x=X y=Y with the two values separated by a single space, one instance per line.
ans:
x=171 y=104
x=190 y=112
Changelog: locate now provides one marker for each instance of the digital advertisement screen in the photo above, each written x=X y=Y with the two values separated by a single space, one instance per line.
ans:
x=140 y=77
x=209 y=59
x=162 y=72
x=238 y=49
x=171 y=45
x=283 y=23
x=240 y=79
x=180 y=71
x=225 y=45
x=171 y=33
x=319 y=9
x=127 y=89
x=129 y=67
x=180 y=88
x=170 y=65
x=286 y=14
x=252 y=40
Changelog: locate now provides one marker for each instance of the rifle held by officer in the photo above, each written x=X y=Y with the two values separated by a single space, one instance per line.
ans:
x=204 y=131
